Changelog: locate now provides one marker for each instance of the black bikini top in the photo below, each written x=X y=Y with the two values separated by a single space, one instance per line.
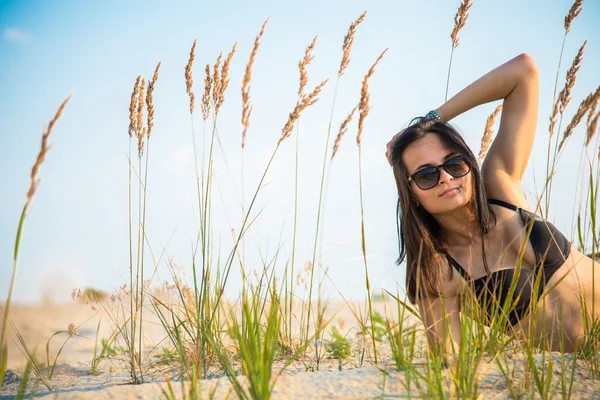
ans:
x=551 y=249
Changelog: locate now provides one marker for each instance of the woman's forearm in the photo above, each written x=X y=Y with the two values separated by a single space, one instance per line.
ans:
x=495 y=85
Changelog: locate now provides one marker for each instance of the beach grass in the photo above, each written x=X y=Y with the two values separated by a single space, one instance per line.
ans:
x=251 y=339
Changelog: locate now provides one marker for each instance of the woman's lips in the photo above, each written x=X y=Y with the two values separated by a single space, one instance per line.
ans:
x=450 y=191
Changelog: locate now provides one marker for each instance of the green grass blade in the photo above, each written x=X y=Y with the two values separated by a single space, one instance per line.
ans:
x=22 y=390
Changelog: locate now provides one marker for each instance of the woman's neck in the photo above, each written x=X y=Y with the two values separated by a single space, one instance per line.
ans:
x=461 y=226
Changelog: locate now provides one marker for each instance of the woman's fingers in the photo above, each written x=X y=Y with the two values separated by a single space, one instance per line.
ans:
x=388 y=152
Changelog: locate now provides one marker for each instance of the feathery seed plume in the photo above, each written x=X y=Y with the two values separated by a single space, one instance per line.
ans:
x=303 y=103
x=348 y=41
x=564 y=96
x=149 y=98
x=486 y=140
x=363 y=106
x=246 y=106
x=460 y=19
x=189 y=81
x=206 y=96
x=573 y=12
x=308 y=57
x=592 y=127
x=592 y=121
x=133 y=106
x=224 y=79
x=216 y=80
x=584 y=107
x=343 y=129
x=140 y=104
x=34 y=180
x=141 y=130
x=72 y=330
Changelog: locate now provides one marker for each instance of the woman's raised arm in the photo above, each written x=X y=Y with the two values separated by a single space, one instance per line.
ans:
x=515 y=81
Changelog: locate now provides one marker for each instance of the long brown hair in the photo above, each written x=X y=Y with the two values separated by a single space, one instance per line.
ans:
x=421 y=240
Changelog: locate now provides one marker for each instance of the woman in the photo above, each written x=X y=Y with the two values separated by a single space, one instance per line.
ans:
x=466 y=230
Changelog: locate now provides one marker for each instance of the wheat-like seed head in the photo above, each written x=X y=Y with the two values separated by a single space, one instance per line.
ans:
x=34 y=180
x=303 y=103
x=216 y=80
x=573 y=12
x=72 y=330
x=343 y=130
x=308 y=57
x=140 y=104
x=592 y=128
x=224 y=79
x=149 y=100
x=206 y=96
x=133 y=106
x=486 y=140
x=189 y=81
x=363 y=106
x=564 y=96
x=592 y=121
x=460 y=19
x=246 y=106
x=141 y=137
x=348 y=41
x=584 y=107
x=141 y=130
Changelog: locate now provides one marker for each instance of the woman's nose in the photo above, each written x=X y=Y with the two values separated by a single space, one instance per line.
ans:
x=445 y=176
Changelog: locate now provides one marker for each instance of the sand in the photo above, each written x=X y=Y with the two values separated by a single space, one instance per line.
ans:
x=301 y=380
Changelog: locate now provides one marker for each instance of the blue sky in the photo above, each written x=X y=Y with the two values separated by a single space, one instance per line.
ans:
x=76 y=234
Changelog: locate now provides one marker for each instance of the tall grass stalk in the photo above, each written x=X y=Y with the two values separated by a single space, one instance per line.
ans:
x=572 y=14
x=346 y=51
x=34 y=182
x=364 y=109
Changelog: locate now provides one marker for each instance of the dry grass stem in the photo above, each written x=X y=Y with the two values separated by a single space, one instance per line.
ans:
x=305 y=102
x=363 y=106
x=308 y=57
x=460 y=19
x=189 y=80
x=583 y=109
x=573 y=12
x=133 y=106
x=224 y=79
x=43 y=151
x=149 y=100
x=343 y=130
x=564 y=96
x=348 y=41
x=486 y=140
x=246 y=106
x=206 y=96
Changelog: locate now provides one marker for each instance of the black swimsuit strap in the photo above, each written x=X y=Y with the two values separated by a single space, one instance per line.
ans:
x=504 y=204
x=455 y=263
x=459 y=268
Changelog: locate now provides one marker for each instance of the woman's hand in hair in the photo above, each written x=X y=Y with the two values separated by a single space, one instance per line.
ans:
x=388 y=146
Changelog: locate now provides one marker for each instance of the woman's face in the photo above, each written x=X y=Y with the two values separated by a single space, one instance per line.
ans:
x=450 y=193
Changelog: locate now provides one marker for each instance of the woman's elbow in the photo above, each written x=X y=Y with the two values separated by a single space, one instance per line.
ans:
x=528 y=64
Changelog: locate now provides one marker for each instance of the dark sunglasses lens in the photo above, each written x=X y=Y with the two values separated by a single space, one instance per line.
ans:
x=457 y=167
x=427 y=178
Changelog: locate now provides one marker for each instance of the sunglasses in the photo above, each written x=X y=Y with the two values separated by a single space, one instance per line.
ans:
x=428 y=178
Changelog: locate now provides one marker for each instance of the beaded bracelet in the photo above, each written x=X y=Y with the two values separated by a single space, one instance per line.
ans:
x=433 y=116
